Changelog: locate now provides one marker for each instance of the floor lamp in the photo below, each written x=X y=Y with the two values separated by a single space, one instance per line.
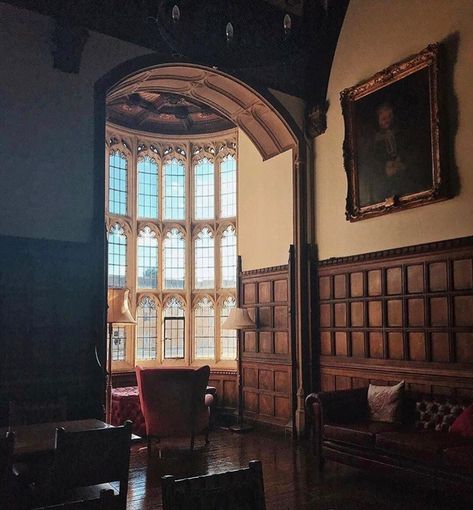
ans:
x=118 y=313
x=239 y=319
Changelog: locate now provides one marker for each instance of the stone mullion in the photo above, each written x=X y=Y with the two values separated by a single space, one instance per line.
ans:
x=189 y=283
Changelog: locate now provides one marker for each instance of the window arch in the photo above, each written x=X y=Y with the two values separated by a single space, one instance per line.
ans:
x=117 y=183
x=147 y=263
x=204 y=329
x=174 y=329
x=147 y=169
x=147 y=333
x=228 y=257
x=204 y=263
x=116 y=257
x=174 y=248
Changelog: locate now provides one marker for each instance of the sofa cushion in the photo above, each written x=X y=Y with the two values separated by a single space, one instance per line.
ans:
x=463 y=425
x=424 y=446
x=459 y=459
x=384 y=402
x=362 y=433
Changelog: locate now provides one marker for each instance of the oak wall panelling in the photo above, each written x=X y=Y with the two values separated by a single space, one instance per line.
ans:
x=399 y=314
x=266 y=351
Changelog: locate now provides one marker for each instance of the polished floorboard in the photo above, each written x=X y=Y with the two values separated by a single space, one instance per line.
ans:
x=290 y=477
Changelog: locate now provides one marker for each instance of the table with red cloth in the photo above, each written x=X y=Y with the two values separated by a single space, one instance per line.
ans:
x=126 y=406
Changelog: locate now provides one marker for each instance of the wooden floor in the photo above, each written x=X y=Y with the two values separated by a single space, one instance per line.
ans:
x=289 y=476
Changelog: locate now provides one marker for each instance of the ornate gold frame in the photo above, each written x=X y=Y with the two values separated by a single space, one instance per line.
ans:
x=427 y=58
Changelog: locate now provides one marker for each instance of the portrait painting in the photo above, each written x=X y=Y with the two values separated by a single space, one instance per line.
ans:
x=391 y=148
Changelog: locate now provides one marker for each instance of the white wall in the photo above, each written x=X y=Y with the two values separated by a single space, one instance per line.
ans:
x=264 y=207
x=376 y=34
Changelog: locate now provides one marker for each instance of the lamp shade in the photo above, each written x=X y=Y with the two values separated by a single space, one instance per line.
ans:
x=118 y=310
x=238 y=318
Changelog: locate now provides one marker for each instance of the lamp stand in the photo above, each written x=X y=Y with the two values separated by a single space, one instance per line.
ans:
x=108 y=406
x=240 y=426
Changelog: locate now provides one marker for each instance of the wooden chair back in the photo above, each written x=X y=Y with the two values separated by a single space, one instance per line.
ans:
x=91 y=457
x=107 y=501
x=232 y=490
x=7 y=444
x=173 y=400
x=22 y=412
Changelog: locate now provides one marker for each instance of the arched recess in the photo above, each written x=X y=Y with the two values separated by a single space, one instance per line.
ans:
x=272 y=130
x=261 y=122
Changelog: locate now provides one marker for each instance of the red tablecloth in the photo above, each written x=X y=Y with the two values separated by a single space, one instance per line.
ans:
x=126 y=406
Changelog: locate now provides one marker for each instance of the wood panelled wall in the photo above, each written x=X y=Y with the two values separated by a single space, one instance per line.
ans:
x=399 y=314
x=266 y=357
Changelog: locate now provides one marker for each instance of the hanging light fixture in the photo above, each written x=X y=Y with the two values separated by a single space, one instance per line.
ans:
x=176 y=13
x=229 y=32
x=287 y=23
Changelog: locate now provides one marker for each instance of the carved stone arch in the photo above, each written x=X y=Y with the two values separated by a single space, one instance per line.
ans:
x=180 y=298
x=112 y=221
x=142 y=224
x=223 y=226
x=245 y=107
x=175 y=151
x=201 y=297
x=142 y=295
x=223 y=297
x=171 y=226
x=199 y=228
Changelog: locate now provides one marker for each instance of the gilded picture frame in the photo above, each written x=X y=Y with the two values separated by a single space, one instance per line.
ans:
x=392 y=138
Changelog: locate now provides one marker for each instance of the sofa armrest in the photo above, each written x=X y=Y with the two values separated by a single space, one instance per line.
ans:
x=342 y=406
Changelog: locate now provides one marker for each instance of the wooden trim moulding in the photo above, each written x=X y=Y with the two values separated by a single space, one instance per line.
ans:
x=418 y=249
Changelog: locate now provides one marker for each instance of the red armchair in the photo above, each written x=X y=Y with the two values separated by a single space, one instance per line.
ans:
x=174 y=403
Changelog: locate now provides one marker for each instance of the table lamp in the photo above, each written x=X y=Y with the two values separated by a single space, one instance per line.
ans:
x=118 y=313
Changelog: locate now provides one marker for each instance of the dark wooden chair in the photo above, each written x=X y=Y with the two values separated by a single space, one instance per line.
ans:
x=7 y=444
x=23 y=412
x=107 y=501
x=83 y=466
x=232 y=490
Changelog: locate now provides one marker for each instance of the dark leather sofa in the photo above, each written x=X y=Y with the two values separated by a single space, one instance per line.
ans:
x=419 y=445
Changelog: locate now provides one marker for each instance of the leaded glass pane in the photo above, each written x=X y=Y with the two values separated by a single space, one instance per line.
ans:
x=117 y=185
x=204 y=260
x=228 y=185
x=229 y=257
x=174 y=183
x=146 y=337
x=116 y=257
x=204 y=329
x=174 y=260
x=147 y=259
x=147 y=188
x=174 y=329
x=118 y=343
x=228 y=337
x=204 y=190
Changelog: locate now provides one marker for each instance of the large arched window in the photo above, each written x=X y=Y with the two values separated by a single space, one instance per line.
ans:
x=172 y=242
x=117 y=183
x=147 y=187
x=116 y=257
x=147 y=263
x=146 y=324
x=204 y=260
x=174 y=260
x=204 y=329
